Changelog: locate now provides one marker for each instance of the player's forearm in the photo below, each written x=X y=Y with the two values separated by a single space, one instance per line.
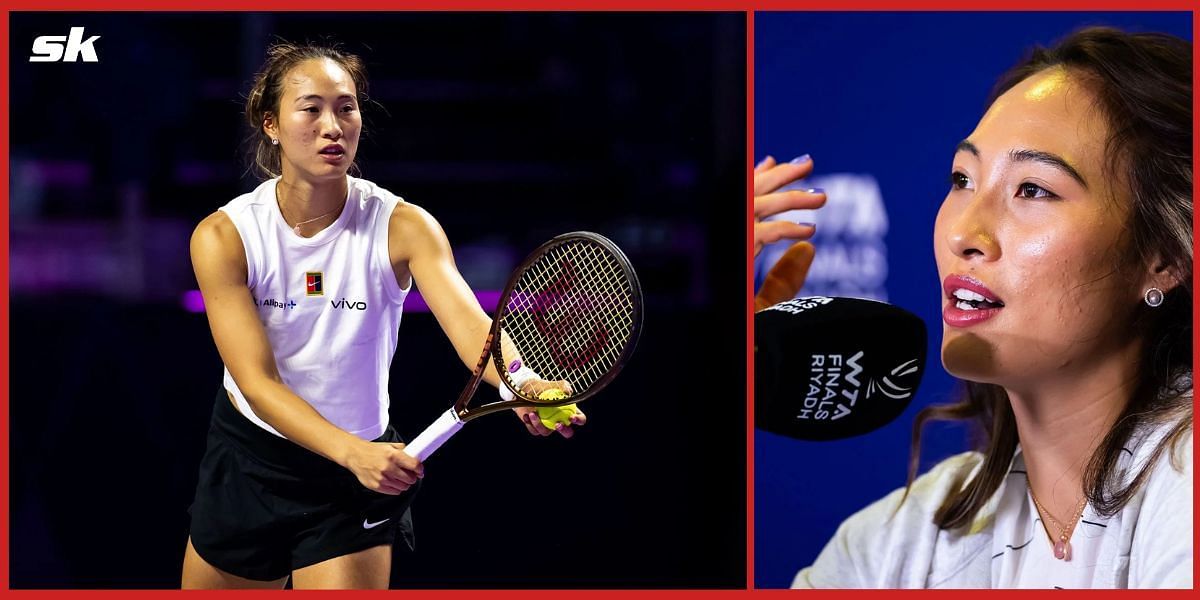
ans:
x=299 y=422
x=468 y=342
x=458 y=312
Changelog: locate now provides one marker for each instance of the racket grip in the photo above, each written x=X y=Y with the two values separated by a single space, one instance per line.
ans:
x=434 y=436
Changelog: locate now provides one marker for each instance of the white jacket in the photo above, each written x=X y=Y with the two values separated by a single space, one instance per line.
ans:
x=1148 y=544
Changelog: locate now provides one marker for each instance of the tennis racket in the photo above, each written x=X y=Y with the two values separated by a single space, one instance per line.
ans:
x=571 y=312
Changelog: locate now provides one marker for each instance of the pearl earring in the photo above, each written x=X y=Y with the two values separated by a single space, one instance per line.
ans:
x=274 y=142
x=1154 y=296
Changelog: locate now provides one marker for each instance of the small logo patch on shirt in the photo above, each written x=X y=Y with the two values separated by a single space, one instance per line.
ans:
x=312 y=284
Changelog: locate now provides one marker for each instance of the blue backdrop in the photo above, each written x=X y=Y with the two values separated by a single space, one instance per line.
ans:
x=879 y=100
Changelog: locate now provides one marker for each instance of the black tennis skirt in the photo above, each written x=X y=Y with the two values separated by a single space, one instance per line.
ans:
x=266 y=506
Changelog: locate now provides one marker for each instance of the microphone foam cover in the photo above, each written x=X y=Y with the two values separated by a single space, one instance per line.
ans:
x=832 y=368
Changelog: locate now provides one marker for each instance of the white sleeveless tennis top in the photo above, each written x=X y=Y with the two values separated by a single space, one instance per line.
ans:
x=330 y=304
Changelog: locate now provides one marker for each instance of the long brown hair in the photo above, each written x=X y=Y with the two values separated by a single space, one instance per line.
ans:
x=1143 y=83
x=266 y=93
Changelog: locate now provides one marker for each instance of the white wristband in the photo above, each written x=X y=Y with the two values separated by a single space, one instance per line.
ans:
x=519 y=375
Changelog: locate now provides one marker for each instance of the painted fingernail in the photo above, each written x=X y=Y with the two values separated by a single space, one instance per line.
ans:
x=815 y=190
x=813 y=225
x=763 y=161
x=799 y=160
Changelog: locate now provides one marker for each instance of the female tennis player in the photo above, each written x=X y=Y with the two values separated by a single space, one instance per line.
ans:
x=1064 y=249
x=303 y=280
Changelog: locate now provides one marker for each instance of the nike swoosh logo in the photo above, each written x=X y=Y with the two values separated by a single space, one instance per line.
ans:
x=369 y=525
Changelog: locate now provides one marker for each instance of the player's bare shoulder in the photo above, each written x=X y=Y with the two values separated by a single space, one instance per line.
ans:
x=216 y=242
x=412 y=232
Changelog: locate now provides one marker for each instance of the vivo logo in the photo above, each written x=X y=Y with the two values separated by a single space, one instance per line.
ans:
x=346 y=305
x=64 y=48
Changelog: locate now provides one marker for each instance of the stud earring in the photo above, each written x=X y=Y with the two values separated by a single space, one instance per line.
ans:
x=274 y=142
x=1154 y=296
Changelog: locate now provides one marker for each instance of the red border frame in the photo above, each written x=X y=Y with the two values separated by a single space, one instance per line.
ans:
x=747 y=6
x=749 y=210
x=4 y=311
x=601 y=5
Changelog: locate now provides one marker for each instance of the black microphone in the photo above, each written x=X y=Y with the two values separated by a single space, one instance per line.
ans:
x=832 y=368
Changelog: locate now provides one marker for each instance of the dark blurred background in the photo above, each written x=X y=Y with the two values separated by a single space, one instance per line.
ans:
x=508 y=128
x=879 y=100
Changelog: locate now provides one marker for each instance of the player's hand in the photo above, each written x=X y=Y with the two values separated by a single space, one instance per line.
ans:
x=533 y=422
x=536 y=387
x=786 y=276
x=384 y=467
x=768 y=201
x=531 y=418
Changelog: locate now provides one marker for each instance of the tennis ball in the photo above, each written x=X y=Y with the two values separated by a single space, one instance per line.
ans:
x=553 y=415
x=552 y=394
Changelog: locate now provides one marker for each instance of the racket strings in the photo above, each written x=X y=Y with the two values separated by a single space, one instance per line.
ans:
x=571 y=313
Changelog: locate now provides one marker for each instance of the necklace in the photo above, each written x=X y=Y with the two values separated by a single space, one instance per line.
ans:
x=296 y=227
x=1062 y=548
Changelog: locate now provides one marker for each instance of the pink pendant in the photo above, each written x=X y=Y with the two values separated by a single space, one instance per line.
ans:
x=297 y=230
x=1062 y=550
